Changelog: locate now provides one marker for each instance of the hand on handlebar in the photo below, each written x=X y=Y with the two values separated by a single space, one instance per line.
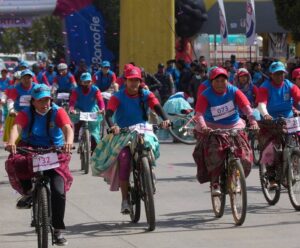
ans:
x=115 y=130
x=165 y=124
x=12 y=113
x=268 y=117
x=12 y=148
x=206 y=130
x=68 y=147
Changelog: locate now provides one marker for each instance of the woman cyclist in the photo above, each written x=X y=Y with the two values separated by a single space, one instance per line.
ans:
x=276 y=98
x=129 y=107
x=218 y=108
x=87 y=98
x=42 y=125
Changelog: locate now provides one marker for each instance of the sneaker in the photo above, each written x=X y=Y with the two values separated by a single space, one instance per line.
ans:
x=273 y=185
x=25 y=202
x=215 y=189
x=125 y=207
x=59 y=239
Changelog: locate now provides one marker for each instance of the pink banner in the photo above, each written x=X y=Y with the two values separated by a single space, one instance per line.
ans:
x=66 y=7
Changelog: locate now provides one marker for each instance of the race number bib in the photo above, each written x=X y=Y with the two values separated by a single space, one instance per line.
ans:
x=222 y=111
x=63 y=96
x=88 y=116
x=44 y=162
x=293 y=125
x=142 y=128
x=25 y=100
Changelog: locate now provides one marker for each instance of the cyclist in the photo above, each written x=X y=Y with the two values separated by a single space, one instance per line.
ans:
x=129 y=107
x=23 y=65
x=105 y=79
x=18 y=98
x=244 y=83
x=87 y=98
x=217 y=108
x=276 y=98
x=43 y=125
x=64 y=81
x=50 y=74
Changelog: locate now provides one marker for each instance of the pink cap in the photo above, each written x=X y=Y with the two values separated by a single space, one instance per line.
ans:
x=133 y=72
x=217 y=72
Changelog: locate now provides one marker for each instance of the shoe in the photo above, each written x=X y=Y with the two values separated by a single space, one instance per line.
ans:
x=25 y=202
x=59 y=239
x=273 y=185
x=125 y=207
x=215 y=189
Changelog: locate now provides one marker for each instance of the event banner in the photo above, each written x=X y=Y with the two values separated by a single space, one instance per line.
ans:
x=86 y=36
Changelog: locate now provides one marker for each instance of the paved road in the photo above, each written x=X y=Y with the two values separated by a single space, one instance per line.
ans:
x=183 y=211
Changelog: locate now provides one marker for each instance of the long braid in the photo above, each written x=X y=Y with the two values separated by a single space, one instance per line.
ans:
x=142 y=103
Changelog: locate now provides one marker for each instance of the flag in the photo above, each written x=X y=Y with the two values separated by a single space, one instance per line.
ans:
x=223 y=23
x=250 y=22
x=86 y=36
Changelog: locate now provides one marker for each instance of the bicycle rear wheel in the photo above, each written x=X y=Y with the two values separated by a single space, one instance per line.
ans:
x=293 y=178
x=182 y=129
x=148 y=191
x=42 y=217
x=135 y=200
x=236 y=185
x=271 y=195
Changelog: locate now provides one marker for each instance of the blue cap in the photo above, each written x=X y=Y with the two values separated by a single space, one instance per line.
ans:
x=40 y=91
x=51 y=66
x=27 y=72
x=24 y=64
x=86 y=76
x=105 y=63
x=277 y=66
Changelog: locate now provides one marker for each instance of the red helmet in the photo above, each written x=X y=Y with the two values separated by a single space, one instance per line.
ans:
x=217 y=72
x=296 y=73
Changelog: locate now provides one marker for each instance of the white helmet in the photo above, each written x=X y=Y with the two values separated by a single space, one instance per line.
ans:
x=62 y=66
x=17 y=74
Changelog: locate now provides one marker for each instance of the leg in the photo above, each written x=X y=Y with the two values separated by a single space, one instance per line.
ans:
x=124 y=163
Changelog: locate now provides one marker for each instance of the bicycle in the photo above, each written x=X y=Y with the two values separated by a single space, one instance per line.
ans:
x=287 y=152
x=142 y=186
x=62 y=100
x=42 y=160
x=84 y=147
x=232 y=181
x=182 y=128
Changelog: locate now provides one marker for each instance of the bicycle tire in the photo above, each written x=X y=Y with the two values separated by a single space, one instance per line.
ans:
x=148 y=195
x=135 y=201
x=293 y=179
x=181 y=134
x=236 y=186
x=86 y=151
x=218 y=202
x=271 y=196
x=42 y=220
x=255 y=149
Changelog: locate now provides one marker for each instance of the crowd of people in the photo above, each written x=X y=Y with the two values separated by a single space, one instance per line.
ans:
x=222 y=97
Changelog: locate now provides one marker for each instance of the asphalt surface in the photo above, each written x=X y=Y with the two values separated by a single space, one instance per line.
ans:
x=183 y=212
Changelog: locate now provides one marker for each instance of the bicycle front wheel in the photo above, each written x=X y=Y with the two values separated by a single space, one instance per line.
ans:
x=293 y=178
x=148 y=191
x=255 y=149
x=236 y=185
x=182 y=130
x=135 y=199
x=218 y=202
x=86 y=151
x=42 y=217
